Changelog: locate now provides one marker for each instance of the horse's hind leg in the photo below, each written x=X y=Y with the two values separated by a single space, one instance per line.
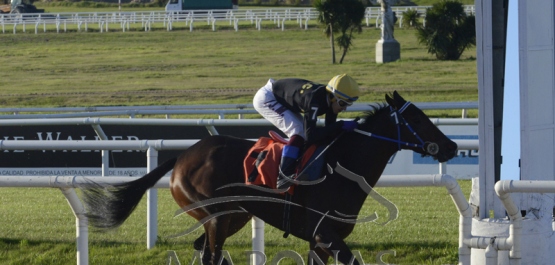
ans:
x=237 y=222
x=199 y=242
x=217 y=231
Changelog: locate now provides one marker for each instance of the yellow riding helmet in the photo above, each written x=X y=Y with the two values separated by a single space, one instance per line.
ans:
x=344 y=87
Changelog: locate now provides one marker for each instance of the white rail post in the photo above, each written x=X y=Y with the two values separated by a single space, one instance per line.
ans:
x=443 y=168
x=257 y=240
x=152 y=198
x=105 y=163
x=81 y=224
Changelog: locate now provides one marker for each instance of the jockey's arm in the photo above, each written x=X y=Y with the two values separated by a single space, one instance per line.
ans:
x=316 y=134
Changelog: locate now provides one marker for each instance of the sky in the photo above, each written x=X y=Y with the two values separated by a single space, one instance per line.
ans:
x=510 y=144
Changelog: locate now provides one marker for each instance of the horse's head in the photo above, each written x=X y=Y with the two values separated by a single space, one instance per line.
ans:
x=416 y=127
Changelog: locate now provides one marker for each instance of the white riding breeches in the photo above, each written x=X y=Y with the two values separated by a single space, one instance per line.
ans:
x=287 y=121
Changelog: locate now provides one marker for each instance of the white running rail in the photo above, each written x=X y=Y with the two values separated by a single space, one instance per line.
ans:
x=122 y=21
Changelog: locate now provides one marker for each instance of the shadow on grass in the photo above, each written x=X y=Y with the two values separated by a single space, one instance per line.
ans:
x=410 y=252
x=19 y=242
x=430 y=59
x=404 y=245
x=9 y=243
x=16 y=243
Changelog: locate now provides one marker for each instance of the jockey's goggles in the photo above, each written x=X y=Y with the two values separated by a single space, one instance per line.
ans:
x=342 y=102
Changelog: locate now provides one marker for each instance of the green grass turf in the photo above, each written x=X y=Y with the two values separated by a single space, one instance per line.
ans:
x=38 y=227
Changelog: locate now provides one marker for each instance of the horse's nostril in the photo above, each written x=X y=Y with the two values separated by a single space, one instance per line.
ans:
x=452 y=146
x=450 y=149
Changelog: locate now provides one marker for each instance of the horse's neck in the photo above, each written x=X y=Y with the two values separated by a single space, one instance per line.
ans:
x=356 y=168
x=364 y=156
x=371 y=153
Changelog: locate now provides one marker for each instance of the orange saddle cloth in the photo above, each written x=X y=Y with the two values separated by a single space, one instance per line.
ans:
x=261 y=164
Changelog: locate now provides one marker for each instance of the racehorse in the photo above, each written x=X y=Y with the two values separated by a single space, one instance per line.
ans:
x=207 y=183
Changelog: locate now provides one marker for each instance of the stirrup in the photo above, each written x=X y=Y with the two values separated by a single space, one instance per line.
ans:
x=284 y=181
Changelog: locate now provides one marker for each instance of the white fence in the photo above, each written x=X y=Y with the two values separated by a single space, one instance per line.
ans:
x=220 y=110
x=104 y=21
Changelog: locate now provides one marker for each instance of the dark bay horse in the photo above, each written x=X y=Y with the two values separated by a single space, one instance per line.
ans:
x=207 y=183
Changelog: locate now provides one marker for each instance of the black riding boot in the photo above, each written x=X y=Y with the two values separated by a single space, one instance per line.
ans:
x=286 y=172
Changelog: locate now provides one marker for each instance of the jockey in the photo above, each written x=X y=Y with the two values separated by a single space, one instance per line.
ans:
x=282 y=102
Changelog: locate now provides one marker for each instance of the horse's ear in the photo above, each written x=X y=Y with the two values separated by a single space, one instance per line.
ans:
x=390 y=101
x=398 y=98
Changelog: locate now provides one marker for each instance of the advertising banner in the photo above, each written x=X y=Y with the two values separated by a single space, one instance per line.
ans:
x=133 y=162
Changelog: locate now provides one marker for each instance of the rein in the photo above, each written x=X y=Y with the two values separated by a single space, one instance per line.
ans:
x=320 y=154
x=431 y=148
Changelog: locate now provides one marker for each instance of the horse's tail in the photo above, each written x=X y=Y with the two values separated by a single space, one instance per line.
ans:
x=108 y=207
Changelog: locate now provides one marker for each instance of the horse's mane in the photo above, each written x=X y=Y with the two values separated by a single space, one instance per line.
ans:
x=370 y=115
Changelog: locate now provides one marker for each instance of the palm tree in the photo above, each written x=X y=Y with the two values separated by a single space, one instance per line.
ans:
x=343 y=16
x=326 y=17
x=410 y=18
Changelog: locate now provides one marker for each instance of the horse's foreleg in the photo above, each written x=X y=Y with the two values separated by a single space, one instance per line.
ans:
x=334 y=246
x=319 y=252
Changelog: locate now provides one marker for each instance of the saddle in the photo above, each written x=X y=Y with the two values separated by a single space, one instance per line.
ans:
x=261 y=164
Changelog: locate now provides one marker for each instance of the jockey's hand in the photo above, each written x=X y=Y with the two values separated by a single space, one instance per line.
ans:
x=349 y=125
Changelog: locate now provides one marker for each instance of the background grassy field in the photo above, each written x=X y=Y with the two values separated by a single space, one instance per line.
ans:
x=205 y=67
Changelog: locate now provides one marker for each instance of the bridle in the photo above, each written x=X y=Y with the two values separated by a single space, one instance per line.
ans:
x=396 y=115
